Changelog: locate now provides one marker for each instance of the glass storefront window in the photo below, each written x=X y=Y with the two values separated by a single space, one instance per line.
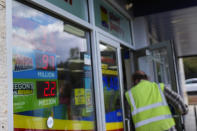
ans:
x=110 y=20
x=52 y=73
x=78 y=8
x=111 y=88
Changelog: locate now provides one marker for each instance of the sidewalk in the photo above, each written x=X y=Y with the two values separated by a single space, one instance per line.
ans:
x=190 y=122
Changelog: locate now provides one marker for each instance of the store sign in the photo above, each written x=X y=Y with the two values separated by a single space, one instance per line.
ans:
x=115 y=23
x=78 y=8
x=108 y=60
x=110 y=20
x=104 y=17
x=31 y=94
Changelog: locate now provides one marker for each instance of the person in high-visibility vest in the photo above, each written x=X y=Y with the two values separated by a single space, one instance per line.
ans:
x=149 y=108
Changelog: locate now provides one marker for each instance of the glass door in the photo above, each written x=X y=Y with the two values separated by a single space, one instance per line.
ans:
x=127 y=71
x=164 y=69
x=161 y=66
x=111 y=87
x=158 y=61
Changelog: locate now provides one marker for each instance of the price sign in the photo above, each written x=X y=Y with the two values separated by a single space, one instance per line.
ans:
x=33 y=94
x=46 y=89
x=45 y=62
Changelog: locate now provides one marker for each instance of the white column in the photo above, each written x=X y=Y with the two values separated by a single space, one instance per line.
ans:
x=3 y=70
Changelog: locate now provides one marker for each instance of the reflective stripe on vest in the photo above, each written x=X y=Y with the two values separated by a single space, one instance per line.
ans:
x=147 y=121
x=138 y=110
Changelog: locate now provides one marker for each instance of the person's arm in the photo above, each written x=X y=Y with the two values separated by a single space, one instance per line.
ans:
x=176 y=101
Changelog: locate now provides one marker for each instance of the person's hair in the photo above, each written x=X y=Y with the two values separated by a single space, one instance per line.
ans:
x=139 y=75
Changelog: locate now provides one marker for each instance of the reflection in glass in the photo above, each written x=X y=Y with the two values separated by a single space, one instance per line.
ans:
x=111 y=89
x=109 y=19
x=78 y=8
x=52 y=73
x=161 y=64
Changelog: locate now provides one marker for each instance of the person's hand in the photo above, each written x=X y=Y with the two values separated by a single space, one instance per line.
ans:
x=187 y=110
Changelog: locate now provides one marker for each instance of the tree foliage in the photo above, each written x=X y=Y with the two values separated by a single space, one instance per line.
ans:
x=190 y=67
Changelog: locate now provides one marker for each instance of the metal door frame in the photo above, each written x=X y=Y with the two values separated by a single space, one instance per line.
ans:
x=101 y=38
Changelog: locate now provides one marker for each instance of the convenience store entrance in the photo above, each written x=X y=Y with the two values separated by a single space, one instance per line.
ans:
x=158 y=61
x=111 y=84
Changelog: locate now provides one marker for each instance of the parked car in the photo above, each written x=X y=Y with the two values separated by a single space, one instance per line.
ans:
x=191 y=85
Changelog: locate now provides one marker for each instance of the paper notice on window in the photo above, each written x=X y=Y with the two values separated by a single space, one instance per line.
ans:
x=79 y=96
x=87 y=60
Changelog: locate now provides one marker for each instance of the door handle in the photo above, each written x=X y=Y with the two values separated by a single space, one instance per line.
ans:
x=127 y=121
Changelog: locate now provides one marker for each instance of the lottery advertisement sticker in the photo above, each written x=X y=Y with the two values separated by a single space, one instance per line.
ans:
x=31 y=94
x=32 y=64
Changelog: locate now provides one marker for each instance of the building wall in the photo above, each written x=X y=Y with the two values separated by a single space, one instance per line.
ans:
x=3 y=70
x=140 y=33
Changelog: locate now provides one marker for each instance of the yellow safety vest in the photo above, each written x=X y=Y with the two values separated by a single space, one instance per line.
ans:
x=149 y=109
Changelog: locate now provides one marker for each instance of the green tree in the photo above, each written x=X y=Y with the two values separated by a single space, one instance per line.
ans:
x=190 y=67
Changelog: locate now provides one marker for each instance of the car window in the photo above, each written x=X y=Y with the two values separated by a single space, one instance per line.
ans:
x=194 y=81
x=190 y=81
